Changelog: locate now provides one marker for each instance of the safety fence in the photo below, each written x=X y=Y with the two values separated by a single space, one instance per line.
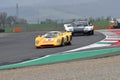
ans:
x=40 y=27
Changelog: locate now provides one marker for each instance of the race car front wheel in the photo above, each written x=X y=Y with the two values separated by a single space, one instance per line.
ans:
x=62 y=42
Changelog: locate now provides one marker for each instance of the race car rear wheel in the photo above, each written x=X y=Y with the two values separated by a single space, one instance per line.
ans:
x=73 y=34
x=68 y=40
x=69 y=43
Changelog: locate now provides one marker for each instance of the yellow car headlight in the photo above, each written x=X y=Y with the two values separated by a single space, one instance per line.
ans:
x=36 y=42
x=58 y=41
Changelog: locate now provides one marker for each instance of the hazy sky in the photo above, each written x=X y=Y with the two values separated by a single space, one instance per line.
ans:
x=83 y=8
x=9 y=3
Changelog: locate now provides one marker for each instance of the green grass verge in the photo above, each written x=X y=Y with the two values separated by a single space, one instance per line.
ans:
x=35 y=27
x=101 y=24
x=62 y=57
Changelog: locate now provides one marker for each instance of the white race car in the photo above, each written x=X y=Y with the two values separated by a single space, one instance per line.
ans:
x=80 y=27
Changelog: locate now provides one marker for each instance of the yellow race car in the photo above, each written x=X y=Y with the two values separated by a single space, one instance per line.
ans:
x=53 y=38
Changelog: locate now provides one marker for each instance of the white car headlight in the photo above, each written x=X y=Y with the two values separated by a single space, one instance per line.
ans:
x=87 y=29
x=70 y=29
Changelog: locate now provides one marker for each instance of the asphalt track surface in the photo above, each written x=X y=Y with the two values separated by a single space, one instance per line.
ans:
x=18 y=47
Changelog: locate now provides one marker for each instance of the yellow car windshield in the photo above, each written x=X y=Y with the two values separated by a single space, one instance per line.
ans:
x=50 y=35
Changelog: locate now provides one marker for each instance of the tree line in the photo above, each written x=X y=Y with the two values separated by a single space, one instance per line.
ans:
x=6 y=20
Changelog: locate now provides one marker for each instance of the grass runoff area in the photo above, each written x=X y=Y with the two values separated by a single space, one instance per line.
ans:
x=36 y=27
x=102 y=24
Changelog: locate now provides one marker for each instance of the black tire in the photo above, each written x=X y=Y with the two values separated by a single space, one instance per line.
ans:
x=69 y=43
x=67 y=38
x=71 y=37
x=88 y=33
x=2 y=30
x=37 y=47
x=92 y=32
x=73 y=34
x=62 y=42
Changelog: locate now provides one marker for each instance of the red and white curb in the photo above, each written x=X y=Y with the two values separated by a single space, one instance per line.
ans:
x=112 y=39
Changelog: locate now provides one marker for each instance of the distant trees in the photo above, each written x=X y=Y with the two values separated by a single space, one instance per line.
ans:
x=48 y=21
x=10 y=20
x=3 y=18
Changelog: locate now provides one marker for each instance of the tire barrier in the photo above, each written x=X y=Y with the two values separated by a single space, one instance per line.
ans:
x=17 y=30
x=2 y=30
x=109 y=27
x=96 y=27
